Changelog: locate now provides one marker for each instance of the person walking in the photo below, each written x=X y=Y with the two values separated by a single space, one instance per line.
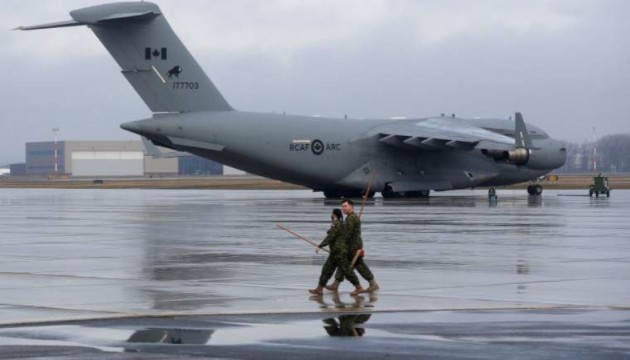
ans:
x=352 y=233
x=338 y=259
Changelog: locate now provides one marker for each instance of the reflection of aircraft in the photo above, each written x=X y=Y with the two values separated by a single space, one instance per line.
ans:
x=347 y=325
x=171 y=336
x=406 y=158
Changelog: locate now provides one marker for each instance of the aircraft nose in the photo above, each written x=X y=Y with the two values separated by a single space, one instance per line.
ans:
x=559 y=155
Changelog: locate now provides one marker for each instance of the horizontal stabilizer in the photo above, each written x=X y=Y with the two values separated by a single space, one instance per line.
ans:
x=130 y=16
x=54 y=25
x=115 y=12
x=195 y=144
x=102 y=14
x=152 y=150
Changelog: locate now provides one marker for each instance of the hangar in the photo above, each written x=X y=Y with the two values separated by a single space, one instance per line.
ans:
x=109 y=159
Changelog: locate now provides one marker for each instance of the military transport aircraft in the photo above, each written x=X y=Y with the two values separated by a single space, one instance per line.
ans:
x=340 y=157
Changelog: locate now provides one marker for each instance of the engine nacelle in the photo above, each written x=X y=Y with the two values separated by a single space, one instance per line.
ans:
x=495 y=154
x=520 y=156
x=533 y=159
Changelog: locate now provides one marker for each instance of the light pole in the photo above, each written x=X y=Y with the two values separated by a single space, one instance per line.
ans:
x=594 y=149
x=55 y=131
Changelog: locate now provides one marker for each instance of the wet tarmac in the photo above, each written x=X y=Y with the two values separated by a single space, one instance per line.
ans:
x=104 y=272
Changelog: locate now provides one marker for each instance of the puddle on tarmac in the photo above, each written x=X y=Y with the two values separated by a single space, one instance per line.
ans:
x=223 y=334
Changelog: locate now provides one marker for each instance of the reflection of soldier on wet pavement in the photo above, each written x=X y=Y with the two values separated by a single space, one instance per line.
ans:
x=358 y=302
x=346 y=325
x=352 y=234
x=338 y=258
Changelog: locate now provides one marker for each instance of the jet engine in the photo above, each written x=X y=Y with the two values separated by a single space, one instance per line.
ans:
x=548 y=158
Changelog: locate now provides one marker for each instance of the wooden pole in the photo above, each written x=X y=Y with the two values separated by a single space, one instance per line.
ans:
x=367 y=194
x=300 y=237
x=360 y=252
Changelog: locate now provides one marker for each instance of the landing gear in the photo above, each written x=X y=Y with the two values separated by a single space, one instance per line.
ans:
x=418 y=194
x=536 y=190
x=346 y=194
x=388 y=193
x=492 y=194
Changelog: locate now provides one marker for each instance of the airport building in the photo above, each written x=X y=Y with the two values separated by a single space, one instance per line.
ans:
x=17 y=169
x=109 y=159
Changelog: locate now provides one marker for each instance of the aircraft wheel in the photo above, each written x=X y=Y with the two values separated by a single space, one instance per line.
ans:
x=538 y=190
x=370 y=195
x=530 y=190
x=387 y=193
x=332 y=194
x=352 y=194
x=406 y=194
x=346 y=194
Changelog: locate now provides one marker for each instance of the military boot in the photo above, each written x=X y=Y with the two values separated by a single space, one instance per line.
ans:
x=373 y=286
x=317 y=291
x=333 y=287
x=358 y=290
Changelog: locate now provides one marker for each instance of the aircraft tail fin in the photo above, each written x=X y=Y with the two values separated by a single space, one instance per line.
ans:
x=153 y=59
x=521 y=134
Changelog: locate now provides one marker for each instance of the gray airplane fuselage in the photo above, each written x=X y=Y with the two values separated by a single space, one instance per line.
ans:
x=282 y=147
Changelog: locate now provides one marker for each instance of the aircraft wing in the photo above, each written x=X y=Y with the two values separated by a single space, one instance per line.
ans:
x=441 y=134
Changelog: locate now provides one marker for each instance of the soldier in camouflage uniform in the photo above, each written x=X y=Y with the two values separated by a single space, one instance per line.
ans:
x=338 y=258
x=352 y=232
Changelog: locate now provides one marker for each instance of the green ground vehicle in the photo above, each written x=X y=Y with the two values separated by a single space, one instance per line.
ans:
x=599 y=186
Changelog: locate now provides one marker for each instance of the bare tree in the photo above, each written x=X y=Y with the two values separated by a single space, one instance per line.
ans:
x=613 y=156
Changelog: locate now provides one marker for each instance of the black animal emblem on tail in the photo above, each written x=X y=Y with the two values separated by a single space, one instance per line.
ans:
x=176 y=70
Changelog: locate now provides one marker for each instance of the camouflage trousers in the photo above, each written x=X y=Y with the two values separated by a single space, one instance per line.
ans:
x=360 y=266
x=340 y=263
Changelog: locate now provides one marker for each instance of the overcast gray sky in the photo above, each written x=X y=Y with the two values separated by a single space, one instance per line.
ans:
x=564 y=64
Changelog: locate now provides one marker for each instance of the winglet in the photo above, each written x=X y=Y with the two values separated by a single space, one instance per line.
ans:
x=521 y=134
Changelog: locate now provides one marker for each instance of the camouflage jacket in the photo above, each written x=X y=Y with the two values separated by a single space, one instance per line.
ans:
x=352 y=232
x=335 y=239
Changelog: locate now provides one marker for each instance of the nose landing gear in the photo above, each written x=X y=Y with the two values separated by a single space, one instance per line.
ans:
x=492 y=195
x=535 y=189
